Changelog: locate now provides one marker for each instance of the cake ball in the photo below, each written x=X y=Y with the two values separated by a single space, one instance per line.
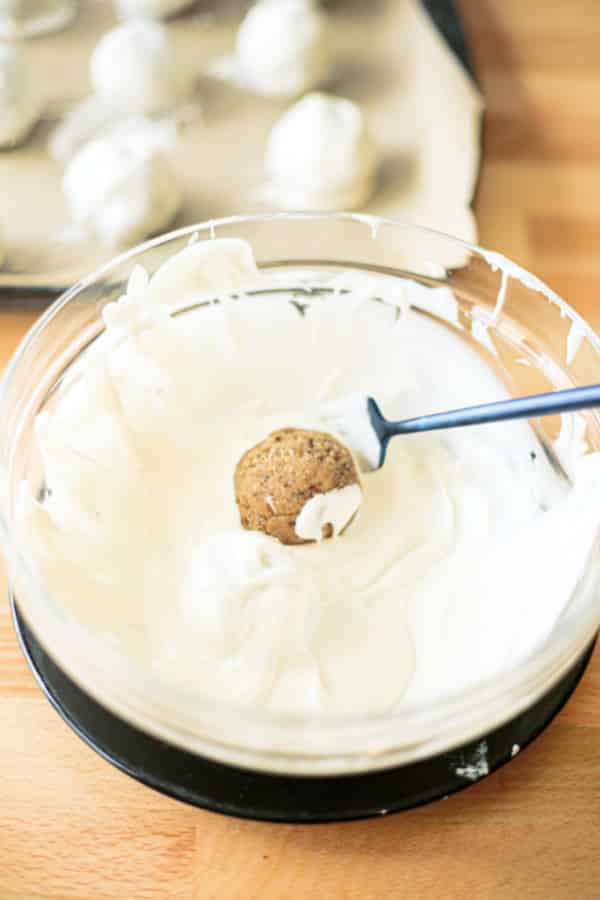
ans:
x=283 y=47
x=19 y=103
x=27 y=18
x=320 y=156
x=150 y=9
x=297 y=486
x=136 y=67
x=121 y=188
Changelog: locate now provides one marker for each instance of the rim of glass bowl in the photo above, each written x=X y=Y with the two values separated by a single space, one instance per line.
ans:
x=324 y=744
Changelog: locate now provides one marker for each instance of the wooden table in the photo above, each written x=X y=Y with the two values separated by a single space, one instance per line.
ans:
x=71 y=826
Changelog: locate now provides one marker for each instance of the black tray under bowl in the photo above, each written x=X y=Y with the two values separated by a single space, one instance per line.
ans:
x=286 y=798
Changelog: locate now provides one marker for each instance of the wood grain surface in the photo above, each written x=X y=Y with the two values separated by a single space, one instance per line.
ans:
x=71 y=826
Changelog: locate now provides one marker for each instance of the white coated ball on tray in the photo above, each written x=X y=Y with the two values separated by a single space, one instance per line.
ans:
x=320 y=156
x=283 y=47
x=121 y=189
x=135 y=66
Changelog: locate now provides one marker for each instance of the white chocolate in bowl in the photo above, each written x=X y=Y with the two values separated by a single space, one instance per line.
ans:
x=459 y=562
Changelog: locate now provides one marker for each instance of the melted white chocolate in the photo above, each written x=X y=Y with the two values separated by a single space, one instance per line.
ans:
x=335 y=508
x=463 y=554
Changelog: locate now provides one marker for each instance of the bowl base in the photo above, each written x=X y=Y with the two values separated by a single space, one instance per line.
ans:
x=280 y=798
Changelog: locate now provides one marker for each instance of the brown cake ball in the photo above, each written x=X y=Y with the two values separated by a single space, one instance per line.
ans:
x=274 y=479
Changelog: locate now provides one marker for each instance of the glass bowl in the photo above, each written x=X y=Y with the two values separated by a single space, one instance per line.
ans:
x=534 y=342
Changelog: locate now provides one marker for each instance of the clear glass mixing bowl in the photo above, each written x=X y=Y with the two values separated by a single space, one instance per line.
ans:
x=530 y=337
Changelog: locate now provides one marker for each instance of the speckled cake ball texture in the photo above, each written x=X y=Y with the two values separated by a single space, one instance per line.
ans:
x=274 y=479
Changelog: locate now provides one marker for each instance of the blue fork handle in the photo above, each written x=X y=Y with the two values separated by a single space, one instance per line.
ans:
x=519 y=408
